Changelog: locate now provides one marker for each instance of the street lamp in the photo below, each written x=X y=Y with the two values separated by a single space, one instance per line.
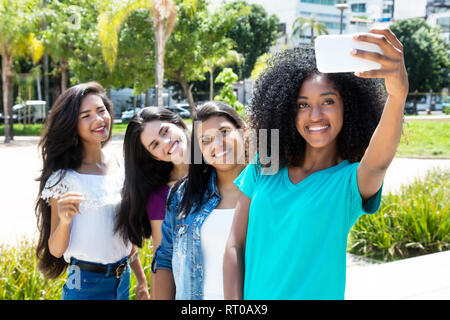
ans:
x=341 y=6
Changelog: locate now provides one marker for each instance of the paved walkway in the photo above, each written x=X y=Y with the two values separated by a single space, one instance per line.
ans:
x=421 y=278
x=425 y=277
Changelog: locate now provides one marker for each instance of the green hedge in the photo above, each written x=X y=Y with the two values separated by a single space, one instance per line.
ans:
x=447 y=110
x=20 y=280
x=413 y=222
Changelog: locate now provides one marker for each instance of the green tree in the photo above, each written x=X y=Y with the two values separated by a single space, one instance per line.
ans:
x=164 y=13
x=195 y=39
x=227 y=95
x=260 y=66
x=87 y=63
x=223 y=56
x=16 y=39
x=135 y=66
x=63 y=33
x=426 y=55
x=135 y=59
x=315 y=27
x=253 y=31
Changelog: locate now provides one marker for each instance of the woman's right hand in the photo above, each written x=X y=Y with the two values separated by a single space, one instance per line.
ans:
x=68 y=206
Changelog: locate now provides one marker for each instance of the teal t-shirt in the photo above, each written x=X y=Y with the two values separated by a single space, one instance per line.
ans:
x=297 y=234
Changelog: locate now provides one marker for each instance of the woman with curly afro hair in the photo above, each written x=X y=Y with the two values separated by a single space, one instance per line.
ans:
x=336 y=141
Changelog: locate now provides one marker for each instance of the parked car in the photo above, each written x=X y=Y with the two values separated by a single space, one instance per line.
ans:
x=185 y=114
x=36 y=108
x=127 y=115
x=184 y=106
x=2 y=118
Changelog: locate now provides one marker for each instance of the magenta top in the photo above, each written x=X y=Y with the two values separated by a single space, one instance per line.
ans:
x=156 y=203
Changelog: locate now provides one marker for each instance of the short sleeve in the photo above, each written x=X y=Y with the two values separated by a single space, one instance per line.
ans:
x=357 y=207
x=156 y=204
x=248 y=179
x=162 y=258
x=57 y=185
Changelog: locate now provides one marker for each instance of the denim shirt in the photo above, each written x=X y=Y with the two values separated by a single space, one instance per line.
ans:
x=180 y=250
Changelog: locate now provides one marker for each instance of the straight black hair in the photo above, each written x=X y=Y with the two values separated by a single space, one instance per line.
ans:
x=143 y=175
x=196 y=182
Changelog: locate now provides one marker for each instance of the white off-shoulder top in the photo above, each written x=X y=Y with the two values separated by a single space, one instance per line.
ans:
x=92 y=236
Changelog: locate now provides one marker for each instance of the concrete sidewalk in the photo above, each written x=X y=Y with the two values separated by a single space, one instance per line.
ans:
x=421 y=278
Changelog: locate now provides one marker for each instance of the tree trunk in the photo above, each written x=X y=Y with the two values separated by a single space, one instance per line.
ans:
x=64 y=69
x=161 y=45
x=415 y=105
x=147 y=98
x=211 y=84
x=11 y=101
x=46 y=85
x=187 y=89
x=7 y=80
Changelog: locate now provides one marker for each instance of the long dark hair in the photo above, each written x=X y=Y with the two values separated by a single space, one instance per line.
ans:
x=61 y=150
x=143 y=175
x=195 y=183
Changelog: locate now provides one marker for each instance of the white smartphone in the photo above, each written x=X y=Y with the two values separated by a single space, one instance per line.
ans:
x=333 y=54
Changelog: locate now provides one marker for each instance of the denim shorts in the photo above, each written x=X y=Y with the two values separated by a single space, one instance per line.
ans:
x=83 y=285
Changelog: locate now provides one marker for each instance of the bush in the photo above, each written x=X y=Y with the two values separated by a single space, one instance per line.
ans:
x=447 y=110
x=20 y=279
x=227 y=95
x=414 y=222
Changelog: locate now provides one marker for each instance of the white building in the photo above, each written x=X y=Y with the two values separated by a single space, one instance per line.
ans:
x=438 y=14
x=409 y=9
x=358 y=17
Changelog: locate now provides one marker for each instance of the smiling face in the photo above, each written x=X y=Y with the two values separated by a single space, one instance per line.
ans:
x=165 y=141
x=221 y=143
x=320 y=113
x=94 y=120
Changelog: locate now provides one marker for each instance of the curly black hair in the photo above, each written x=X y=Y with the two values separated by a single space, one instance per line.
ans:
x=273 y=105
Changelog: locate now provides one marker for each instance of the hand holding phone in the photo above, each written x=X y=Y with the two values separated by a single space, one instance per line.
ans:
x=333 y=54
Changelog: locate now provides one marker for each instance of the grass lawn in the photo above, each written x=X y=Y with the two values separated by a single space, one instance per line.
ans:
x=30 y=129
x=425 y=138
x=122 y=127
x=420 y=138
x=35 y=129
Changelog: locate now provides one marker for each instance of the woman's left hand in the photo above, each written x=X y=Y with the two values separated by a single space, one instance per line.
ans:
x=142 y=291
x=392 y=62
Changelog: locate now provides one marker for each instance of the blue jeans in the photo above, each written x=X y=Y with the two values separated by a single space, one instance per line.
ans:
x=83 y=285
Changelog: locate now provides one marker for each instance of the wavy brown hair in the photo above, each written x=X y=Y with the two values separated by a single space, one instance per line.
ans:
x=61 y=150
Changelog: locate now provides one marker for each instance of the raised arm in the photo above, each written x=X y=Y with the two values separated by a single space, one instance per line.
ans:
x=233 y=261
x=384 y=142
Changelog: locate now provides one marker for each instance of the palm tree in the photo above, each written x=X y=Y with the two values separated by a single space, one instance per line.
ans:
x=300 y=24
x=114 y=13
x=16 y=39
x=60 y=35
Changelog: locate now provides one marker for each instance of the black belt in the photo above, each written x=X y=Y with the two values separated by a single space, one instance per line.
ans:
x=117 y=269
